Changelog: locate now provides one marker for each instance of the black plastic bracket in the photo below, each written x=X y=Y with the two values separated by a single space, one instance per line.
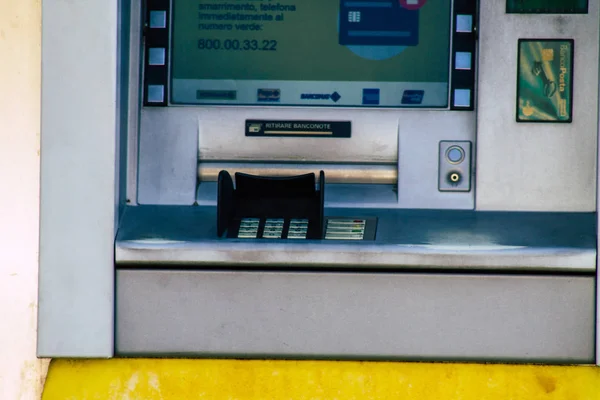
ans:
x=263 y=198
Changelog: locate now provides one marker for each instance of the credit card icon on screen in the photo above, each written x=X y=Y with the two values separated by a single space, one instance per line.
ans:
x=378 y=23
x=413 y=97
x=268 y=95
x=370 y=97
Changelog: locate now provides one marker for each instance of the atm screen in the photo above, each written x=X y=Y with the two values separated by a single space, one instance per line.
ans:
x=348 y=53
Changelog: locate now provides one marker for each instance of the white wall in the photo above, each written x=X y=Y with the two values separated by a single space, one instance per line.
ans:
x=21 y=373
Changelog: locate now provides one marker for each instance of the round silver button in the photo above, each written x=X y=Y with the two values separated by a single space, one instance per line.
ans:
x=455 y=154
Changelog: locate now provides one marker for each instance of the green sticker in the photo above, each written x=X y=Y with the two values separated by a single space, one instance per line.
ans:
x=547 y=6
x=545 y=81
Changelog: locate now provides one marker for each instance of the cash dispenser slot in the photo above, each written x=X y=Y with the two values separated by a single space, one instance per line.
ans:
x=266 y=207
x=270 y=207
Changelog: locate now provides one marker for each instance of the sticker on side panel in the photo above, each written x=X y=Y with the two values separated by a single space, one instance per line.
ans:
x=547 y=6
x=545 y=80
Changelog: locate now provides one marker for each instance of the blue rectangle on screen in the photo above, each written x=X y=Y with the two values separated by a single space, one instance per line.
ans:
x=268 y=95
x=413 y=97
x=370 y=97
x=377 y=23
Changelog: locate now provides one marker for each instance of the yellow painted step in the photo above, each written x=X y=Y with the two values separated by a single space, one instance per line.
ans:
x=149 y=379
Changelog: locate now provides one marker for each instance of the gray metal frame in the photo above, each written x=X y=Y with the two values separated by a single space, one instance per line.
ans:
x=84 y=116
x=79 y=178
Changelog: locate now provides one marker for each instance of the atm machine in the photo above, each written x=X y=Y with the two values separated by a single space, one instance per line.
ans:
x=324 y=179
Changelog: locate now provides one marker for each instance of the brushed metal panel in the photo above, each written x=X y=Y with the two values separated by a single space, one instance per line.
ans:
x=418 y=162
x=598 y=247
x=366 y=316
x=134 y=100
x=169 y=138
x=78 y=178
x=374 y=135
x=168 y=157
x=525 y=166
x=173 y=139
x=451 y=240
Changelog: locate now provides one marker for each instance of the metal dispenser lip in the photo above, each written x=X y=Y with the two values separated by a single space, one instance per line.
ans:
x=406 y=239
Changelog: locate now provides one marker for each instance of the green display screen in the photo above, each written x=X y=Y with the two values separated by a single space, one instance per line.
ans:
x=376 y=53
x=547 y=6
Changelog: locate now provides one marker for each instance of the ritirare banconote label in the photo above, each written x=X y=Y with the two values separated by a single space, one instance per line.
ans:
x=337 y=129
